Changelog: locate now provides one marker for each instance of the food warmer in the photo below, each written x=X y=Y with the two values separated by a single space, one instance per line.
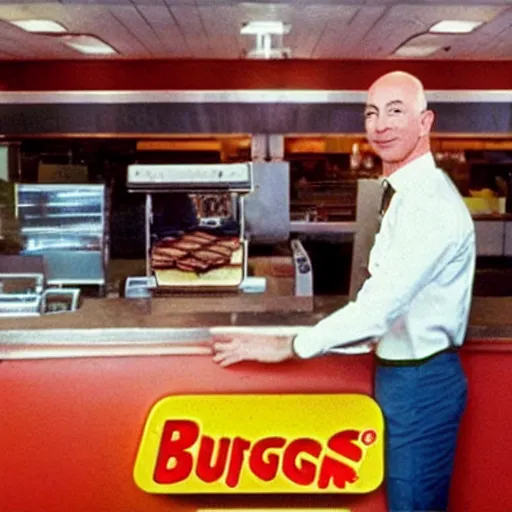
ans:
x=194 y=225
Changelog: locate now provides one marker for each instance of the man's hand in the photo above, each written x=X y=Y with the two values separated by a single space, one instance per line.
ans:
x=233 y=348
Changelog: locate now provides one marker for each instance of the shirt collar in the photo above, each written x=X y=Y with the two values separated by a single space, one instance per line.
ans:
x=413 y=174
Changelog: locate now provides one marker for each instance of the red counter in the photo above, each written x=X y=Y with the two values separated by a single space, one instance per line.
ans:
x=483 y=464
x=70 y=428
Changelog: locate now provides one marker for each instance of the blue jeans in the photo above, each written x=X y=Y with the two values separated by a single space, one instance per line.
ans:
x=422 y=407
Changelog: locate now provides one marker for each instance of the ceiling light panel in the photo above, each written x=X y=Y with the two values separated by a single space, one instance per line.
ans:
x=265 y=27
x=40 y=26
x=455 y=26
x=416 y=50
x=89 y=45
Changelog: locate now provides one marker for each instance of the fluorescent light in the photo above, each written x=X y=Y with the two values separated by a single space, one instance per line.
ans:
x=455 y=26
x=265 y=27
x=45 y=26
x=416 y=50
x=89 y=45
x=271 y=53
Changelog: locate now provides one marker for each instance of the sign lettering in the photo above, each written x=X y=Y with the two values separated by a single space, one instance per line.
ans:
x=187 y=449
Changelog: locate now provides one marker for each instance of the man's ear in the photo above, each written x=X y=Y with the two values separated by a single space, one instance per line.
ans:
x=427 y=120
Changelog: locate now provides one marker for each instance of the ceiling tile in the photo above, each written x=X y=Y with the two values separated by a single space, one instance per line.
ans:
x=139 y=30
x=96 y=2
x=342 y=37
x=210 y=28
x=191 y=26
x=482 y=42
x=222 y=26
x=402 y=22
x=161 y=21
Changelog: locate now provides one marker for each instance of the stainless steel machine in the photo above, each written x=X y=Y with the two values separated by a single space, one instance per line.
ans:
x=23 y=289
x=195 y=225
x=242 y=203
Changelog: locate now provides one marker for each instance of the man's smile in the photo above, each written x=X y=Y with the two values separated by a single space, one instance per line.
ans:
x=384 y=143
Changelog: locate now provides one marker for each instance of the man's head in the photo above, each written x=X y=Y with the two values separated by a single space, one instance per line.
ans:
x=397 y=120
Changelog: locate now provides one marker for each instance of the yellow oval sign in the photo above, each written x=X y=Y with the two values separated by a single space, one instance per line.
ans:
x=262 y=444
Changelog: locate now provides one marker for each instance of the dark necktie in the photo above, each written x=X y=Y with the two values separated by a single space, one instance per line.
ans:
x=387 y=195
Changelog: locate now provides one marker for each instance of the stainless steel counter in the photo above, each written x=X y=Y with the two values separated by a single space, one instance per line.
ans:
x=106 y=327
x=114 y=342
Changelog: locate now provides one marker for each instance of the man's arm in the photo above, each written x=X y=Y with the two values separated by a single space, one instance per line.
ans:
x=417 y=251
x=424 y=240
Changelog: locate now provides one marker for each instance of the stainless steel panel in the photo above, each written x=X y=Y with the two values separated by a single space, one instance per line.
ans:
x=236 y=96
x=508 y=238
x=490 y=237
x=369 y=193
x=69 y=343
x=267 y=208
x=74 y=267
x=263 y=117
x=142 y=336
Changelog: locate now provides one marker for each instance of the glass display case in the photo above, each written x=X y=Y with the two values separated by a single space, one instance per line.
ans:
x=67 y=225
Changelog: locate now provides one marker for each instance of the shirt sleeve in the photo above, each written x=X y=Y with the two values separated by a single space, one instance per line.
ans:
x=422 y=242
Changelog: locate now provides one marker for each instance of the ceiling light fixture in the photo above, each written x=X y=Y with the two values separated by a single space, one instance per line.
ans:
x=416 y=50
x=40 y=26
x=88 y=45
x=454 y=26
x=265 y=27
x=269 y=39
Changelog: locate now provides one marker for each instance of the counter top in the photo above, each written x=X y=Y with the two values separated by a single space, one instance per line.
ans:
x=111 y=327
x=104 y=313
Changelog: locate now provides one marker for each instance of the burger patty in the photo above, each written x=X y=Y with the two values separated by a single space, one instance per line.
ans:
x=205 y=236
x=187 y=246
x=220 y=249
x=192 y=264
x=168 y=252
x=210 y=257
x=195 y=239
x=193 y=252
x=231 y=243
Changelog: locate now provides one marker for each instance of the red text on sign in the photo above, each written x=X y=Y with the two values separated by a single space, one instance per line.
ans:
x=302 y=461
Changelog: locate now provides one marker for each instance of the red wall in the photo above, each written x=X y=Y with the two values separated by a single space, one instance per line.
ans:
x=245 y=74
x=483 y=464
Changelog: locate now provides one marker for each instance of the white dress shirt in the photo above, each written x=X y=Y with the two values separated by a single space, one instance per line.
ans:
x=416 y=301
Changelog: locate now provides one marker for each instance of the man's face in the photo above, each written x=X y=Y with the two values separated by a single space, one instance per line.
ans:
x=395 y=123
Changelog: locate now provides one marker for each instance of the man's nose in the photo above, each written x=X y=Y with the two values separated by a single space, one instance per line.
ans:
x=382 y=123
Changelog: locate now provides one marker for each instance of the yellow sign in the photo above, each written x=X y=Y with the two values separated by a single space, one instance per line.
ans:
x=262 y=444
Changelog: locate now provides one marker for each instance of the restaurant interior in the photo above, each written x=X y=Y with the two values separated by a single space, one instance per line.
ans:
x=324 y=170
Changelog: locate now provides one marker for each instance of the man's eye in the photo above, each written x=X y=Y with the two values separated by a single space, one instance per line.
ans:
x=395 y=112
x=369 y=114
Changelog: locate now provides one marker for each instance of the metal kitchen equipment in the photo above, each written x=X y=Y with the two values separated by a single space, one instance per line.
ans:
x=21 y=294
x=67 y=225
x=22 y=289
x=267 y=220
x=217 y=191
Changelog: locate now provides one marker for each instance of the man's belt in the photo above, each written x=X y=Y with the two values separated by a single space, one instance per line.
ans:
x=413 y=362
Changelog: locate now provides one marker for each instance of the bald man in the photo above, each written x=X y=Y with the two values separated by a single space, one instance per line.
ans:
x=414 y=306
